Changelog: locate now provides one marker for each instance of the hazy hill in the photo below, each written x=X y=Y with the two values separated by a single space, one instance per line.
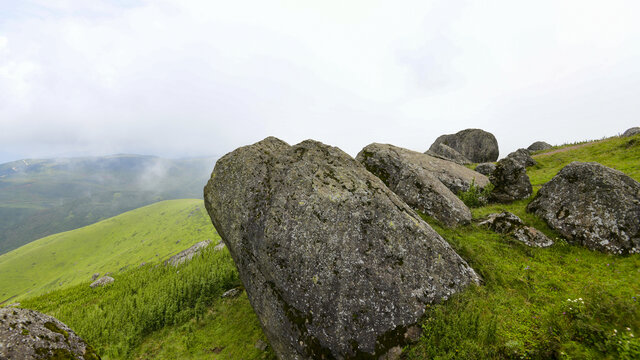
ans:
x=150 y=233
x=40 y=197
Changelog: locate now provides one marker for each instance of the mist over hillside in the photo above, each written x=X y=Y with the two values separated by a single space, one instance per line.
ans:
x=40 y=197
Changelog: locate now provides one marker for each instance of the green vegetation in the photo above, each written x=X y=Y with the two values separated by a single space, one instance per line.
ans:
x=475 y=196
x=44 y=197
x=150 y=233
x=560 y=302
x=162 y=312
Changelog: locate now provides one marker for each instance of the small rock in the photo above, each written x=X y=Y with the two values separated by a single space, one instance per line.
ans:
x=474 y=144
x=231 y=293
x=105 y=280
x=393 y=354
x=522 y=157
x=632 y=131
x=260 y=345
x=38 y=336
x=188 y=254
x=95 y=276
x=592 y=205
x=485 y=168
x=510 y=182
x=539 y=145
x=508 y=223
x=220 y=246
x=142 y=264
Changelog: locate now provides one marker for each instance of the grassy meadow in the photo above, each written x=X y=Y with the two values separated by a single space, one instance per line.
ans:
x=146 y=234
x=562 y=302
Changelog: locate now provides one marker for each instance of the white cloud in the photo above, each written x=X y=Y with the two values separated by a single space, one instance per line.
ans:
x=179 y=78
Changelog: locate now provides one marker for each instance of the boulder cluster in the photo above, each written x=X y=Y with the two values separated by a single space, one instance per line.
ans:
x=337 y=263
x=334 y=263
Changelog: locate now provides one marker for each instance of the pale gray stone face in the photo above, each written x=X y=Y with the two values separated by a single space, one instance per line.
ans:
x=335 y=264
x=474 y=144
x=522 y=157
x=445 y=152
x=592 y=205
x=28 y=334
x=509 y=224
x=415 y=177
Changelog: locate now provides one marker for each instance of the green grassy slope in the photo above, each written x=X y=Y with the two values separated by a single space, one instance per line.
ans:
x=40 y=197
x=561 y=302
x=150 y=233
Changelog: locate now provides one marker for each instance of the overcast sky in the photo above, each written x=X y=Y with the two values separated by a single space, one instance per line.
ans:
x=179 y=78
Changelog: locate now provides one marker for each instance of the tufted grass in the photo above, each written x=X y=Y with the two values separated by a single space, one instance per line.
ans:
x=523 y=309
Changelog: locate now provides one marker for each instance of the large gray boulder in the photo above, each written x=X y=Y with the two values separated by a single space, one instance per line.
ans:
x=445 y=152
x=188 y=254
x=417 y=186
x=28 y=334
x=474 y=144
x=592 y=205
x=522 y=157
x=510 y=224
x=632 y=131
x=539 y=145
x=335 y=265
x=510 y=181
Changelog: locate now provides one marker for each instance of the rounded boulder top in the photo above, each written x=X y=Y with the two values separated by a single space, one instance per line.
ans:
x=539 y=145
x=28 y=334
x=474 y=144
x=631 y=132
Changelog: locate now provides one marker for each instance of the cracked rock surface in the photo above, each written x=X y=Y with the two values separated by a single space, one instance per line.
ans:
x=592 y=205
x=334 y=264
x=28 y=334
x=510 y=224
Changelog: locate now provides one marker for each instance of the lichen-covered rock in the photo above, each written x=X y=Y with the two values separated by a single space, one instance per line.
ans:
x=455 y=177
x=95 y=276
x=474 y=144
x=510 y=224
x=485 y=169
x=28 y=334
x=522 y=157
x=539 y=145
x=510 y=181
x=188 y=254
x=445 y=152
x=592 y=205
x=416 y=185
x=334 y=264
x=632 y=131
x=105 y=280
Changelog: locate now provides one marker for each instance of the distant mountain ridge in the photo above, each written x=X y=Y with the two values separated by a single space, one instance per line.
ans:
x=40 y=197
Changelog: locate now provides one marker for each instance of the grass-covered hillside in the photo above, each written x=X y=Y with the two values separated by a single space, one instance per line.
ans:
x=146 y=234
x=563 y=302
x=40 y=197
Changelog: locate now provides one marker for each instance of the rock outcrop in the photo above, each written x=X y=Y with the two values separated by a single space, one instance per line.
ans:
x=188 y=254
x=592 y=205
x=334 y=264
x=485 y=169
x=510 y=181
x=445 y=152
x=28 y=334
x=105 y=280
x=400 y=170
x=632 y=131
x=474 y=144
x=539 y=145
x=510 y=224
x=522 y=157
